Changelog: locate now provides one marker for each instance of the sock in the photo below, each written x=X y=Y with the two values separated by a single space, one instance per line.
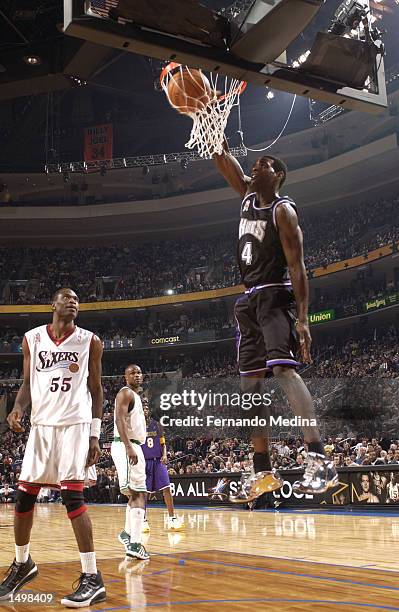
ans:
x=136 y=524
x=316 y=447
x=22 y=553
x=88 y=561
x=127 y=519
x=262 y=462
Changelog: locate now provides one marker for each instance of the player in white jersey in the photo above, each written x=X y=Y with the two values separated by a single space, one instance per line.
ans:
x=130 y=433
x=62 y=384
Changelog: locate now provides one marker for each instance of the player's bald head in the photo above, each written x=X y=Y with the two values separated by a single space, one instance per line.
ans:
x=132 y=368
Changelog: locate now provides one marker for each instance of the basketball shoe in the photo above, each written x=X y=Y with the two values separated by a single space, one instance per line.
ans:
x=18 y=574
x=146 y=526
x=253 y=486
x=137 y=551
x=90 y=590
x=175 y=523
x=124 y=538
x=320 y=475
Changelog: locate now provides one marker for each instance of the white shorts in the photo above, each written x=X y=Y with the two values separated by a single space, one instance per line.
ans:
x=131 y=477
x=55 y=454
x=90 y=476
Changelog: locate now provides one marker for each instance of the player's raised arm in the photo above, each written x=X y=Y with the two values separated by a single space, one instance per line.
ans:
x=122 y=402
x=292 y=243
x=231 y=169
x=96 y=391
x=23 y=399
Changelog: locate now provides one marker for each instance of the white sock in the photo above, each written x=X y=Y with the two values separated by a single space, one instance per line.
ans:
x=22 y=553
x=136 y=524
x=88 y=561
x=127 y=519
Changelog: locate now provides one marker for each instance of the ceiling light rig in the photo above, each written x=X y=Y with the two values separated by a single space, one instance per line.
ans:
x=142 y=161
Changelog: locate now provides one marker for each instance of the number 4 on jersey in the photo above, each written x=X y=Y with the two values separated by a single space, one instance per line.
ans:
x=246 y=254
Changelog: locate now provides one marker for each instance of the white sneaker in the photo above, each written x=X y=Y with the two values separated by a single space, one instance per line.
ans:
x=146 y=527
x=175 y=523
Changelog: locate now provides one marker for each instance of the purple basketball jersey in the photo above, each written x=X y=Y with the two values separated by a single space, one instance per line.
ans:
x=152 y=446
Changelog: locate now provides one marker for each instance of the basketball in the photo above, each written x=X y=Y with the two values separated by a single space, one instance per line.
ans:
x=189 y=90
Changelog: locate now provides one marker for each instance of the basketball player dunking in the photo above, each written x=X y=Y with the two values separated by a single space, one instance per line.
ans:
x=157 y=476
x=270 y=257
x=62 y=383
x=129 y=435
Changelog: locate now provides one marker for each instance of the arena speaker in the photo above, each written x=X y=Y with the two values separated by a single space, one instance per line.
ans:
x=271 y=26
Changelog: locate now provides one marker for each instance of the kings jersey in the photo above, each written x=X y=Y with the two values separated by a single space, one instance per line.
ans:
x=261 y=257
x=59 y=370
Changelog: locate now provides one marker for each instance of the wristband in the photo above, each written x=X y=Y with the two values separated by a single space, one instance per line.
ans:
x=95 y=428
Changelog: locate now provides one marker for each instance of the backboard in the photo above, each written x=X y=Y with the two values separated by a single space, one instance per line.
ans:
x=246 y=39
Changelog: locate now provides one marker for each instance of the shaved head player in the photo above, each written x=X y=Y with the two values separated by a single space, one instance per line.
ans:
x=62 y=383
x=270 y=257
x=129 y=435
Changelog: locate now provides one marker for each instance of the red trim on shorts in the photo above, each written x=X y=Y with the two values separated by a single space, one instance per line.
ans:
x=58 y=341
x=32 y=489
x=24 y=513
x=39 y=484
x=77 y=512
x=72 y=485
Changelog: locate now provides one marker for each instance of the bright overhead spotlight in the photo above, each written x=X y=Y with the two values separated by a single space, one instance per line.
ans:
x=32 y=60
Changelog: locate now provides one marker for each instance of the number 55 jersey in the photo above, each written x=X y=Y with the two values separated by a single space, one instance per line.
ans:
x=59 y=370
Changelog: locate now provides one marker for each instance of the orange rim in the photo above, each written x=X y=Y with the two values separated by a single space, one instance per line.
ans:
x=166 y=70
x=172 y=65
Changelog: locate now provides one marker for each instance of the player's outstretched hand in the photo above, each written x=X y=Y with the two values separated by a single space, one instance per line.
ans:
x=164 y=459
x=94 y=452
x=131 y=455
x=305 y=341
x=14 y=420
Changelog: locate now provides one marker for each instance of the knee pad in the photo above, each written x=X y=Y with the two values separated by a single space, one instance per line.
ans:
x=26 y=498
x=73 y=500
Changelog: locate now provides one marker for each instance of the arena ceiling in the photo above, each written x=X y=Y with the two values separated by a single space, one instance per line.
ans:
x=205 y=213
x=44 y=106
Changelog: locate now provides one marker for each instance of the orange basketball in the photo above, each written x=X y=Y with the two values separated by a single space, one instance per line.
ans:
x=189 y=90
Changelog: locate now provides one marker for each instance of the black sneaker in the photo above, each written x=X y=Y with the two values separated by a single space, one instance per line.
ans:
x=18 y=574
x=89 y=590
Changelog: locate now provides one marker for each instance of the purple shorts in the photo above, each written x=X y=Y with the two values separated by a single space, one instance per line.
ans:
x=156 y=474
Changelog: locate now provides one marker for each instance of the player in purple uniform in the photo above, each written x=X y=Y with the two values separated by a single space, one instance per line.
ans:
x=156 y=471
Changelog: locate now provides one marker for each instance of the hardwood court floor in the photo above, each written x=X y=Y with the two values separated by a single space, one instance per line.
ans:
x=224 y=560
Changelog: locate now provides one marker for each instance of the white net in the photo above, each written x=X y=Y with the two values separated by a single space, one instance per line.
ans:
x=209 y=117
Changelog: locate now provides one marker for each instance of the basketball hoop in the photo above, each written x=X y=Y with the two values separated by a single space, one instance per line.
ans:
x=209 y=118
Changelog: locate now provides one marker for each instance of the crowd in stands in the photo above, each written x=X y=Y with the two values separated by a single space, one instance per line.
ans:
x=150 y=269
x=204 y=455
x=143 y=324
x=197 y=456
x=347 y=301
